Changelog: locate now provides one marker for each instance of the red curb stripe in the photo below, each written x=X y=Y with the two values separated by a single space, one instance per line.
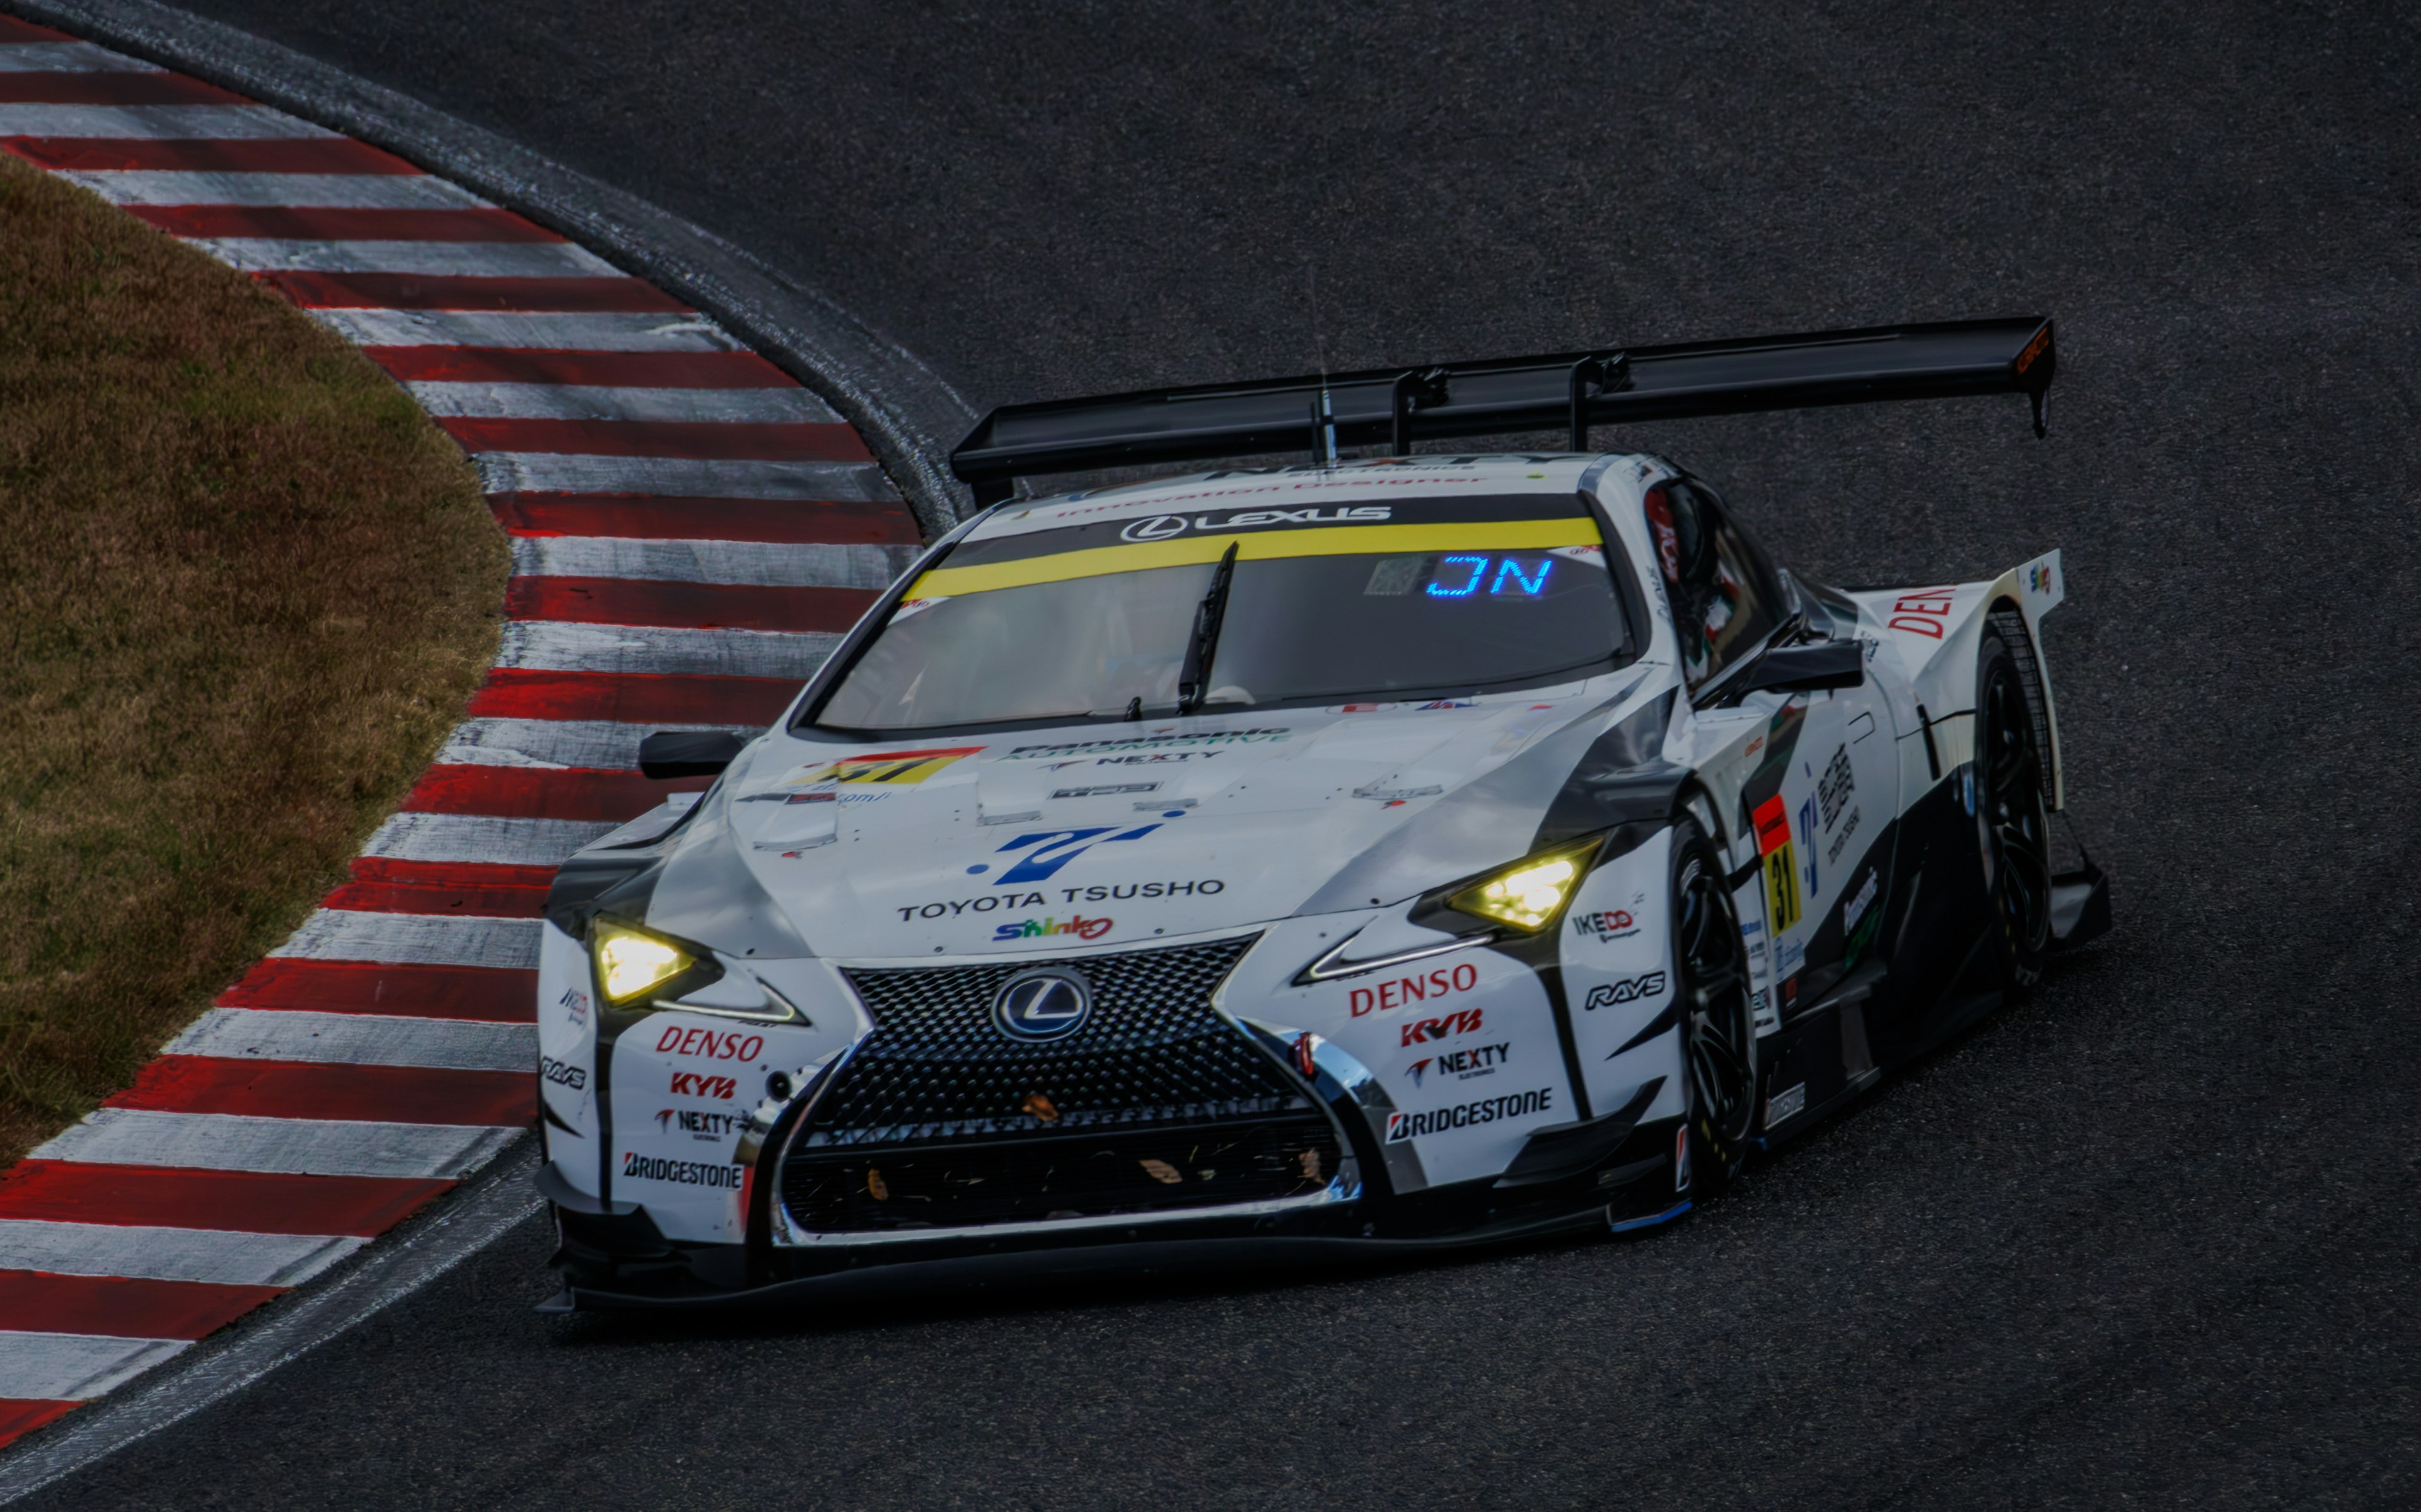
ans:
x=71 y=1191
x=415 y=291
x=124 y=1307
x=633 y=698
x=112 y=89
x=304 y=1089
x=300 y=154
x=685 y=605
x=541 y=793
x=612 y=369
x=19 y=1417
x=490 y=994
x=759 y=441
x=450 y=873
x=469 y=902
x=324 y=224
x=653 y=516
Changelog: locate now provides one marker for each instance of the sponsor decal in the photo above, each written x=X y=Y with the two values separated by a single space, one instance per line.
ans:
x=1364 y=708
x=2038 y=578
x=1099 y=892
x=1610 y=924
x=1429 y=1031
x=1781 y=864
x=1151 y=741
x=681 y=1173
x=1081 y=928
x=1106 y=790
x=1047 y=851
x=1629 y=990
x=709 y=1044
x=1841 y=841
x=1404 y=1126
x=1141 y=759
x=1788 y=1103
x=992 y=902
x=575 y=1002
x=1168 y=528
x=1788 y=957
x=1418 y=988
x=1448 y=703
x=1861 y=900
x=699 y=1085
x=1922 y=613
x=1808 y=828
x=562 y=1074
x=716 y=1127
x=2034 y=348
x=1119 y=892
x=894 y=769
x=1834 y=789
x=1461 y=1065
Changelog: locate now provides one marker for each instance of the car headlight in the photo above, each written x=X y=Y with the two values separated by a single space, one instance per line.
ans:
x=634 y=964
x=1529 y=894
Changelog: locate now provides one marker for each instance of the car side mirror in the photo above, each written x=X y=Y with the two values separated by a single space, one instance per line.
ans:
x=689 y=753
x=1808 y=668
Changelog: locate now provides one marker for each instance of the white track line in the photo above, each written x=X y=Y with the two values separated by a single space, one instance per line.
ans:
x=682 y=477
x=569 y=401
x=213 y=1254
x=74 y=1368
x=550 y=742
x=417 y=939
x=69 y=58
x=556 y=645
x=290 y=1146
x=358 y=1039
x=480 y=837
x=552 y=331
x=468 y=259
x=318 y=191
x=251 y=124
x=710 y=561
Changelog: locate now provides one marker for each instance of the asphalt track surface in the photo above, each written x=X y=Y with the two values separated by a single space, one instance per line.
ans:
x=2148 y=1238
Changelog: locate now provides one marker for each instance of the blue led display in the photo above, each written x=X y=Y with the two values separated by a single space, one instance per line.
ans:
x=1524 y=584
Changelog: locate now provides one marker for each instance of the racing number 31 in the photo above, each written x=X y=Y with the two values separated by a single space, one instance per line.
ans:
x=1781 y=872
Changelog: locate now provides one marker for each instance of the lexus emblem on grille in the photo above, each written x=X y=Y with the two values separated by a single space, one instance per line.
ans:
x=1050 y=1004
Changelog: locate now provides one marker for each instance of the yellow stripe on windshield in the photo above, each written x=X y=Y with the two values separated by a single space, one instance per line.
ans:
x=1350 y=540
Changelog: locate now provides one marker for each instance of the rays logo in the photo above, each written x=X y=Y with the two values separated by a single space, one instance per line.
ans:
x=1631 y=991
x=1047 y=851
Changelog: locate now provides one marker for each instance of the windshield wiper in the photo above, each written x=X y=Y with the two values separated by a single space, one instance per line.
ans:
x=1194 y=678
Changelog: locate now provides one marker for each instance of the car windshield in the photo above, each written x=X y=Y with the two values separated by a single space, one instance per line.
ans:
x=1427 y=597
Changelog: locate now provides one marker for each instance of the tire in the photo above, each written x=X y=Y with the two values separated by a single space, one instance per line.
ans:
x=2012 y=821
x=1718 y=1023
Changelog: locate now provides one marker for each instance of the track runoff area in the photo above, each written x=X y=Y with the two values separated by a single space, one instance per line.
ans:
x=691 y=530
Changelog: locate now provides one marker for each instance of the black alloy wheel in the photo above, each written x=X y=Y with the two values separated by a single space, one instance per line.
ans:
x=2013 y=820
x=1718 y=1022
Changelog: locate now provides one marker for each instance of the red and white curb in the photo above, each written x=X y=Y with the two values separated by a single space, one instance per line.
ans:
x=691 y=530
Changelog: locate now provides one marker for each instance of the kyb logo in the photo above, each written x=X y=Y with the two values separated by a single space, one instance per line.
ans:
x=1163 y=527
x=1613 y=993
x=1461 y=1065
x=697 y=1084
x=1612 y=924
x=1429 y=1031
x=1045 y=852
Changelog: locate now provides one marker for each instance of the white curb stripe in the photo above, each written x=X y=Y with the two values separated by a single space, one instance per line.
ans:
x=357 y=1040
x=418 y=938
x=318 y=191
x=285 y=1146
x=468 y=259
x=556 y=645
x=69 y=58
x=480 y=837
x=74 y=1368
x=551 y=331
x=550 y=742
x=571 y=401
x=250 y=123
x=217 y=1256
x=684 y=477
x=753 y=563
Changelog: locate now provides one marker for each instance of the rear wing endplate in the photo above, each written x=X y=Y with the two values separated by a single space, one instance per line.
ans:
x=1570 y=391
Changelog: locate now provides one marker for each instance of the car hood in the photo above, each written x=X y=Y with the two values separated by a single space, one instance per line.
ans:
x=1041 y=840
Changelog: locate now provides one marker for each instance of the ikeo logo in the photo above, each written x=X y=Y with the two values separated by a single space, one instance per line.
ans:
x=697 y=1084
x=1405 y=991
x=1163 y=527
x=681 y=1173
x=709 y=1044
x=1042 y=1005
x=1429 y=1031
x=1081 y=928
x=1611 y=924
x=1404 y=1126
x=1462 y=1064
x=1607 y=996
x=711 y=1126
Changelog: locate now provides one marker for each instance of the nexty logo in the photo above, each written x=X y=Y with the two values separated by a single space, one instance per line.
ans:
x=1163 y=527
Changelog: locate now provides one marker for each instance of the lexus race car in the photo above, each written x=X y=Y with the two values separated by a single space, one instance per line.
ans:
x=1415 y=849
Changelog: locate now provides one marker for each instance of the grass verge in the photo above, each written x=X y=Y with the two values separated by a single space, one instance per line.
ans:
x=245 y=590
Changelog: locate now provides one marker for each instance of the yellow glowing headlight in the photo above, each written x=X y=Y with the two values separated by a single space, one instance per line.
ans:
x=1530 y=891
x=630 y=963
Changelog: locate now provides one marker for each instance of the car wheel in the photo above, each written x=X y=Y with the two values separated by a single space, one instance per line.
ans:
x=1718 y=1025
x=2012 y=821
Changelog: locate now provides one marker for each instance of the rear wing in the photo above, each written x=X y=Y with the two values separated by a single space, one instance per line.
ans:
x=1569 y=391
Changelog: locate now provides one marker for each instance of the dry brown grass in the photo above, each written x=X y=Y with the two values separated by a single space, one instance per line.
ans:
x=245 y=588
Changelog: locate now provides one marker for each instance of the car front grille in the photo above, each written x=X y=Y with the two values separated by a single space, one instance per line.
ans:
x=1156 y=1102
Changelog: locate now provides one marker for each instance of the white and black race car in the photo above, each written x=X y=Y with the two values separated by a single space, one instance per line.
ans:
x=1419 y=849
